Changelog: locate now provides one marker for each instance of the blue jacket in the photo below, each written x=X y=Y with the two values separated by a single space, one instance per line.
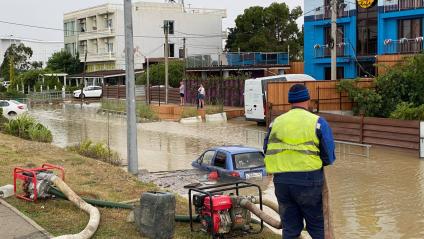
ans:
x=327 y=155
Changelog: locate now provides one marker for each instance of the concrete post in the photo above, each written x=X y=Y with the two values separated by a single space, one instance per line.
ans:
x=41 y=88
x=132 y=153
x=334 y=4
x=63 y=93
x=226 y=74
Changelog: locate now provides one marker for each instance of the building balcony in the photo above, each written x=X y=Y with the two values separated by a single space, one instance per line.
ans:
x=322 y=13
x=323 y=51
x=98 y=57
x=403 y=46
x=399 y=5
x=99 y=33
x=242 y=59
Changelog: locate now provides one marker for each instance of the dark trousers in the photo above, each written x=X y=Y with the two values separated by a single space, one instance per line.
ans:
x=298 y=203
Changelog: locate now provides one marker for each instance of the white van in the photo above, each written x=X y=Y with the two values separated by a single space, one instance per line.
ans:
x=255 y=94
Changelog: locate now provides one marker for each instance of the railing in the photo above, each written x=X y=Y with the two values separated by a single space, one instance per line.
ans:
x=320 y=51
x=403 y=46
x=399 y=5
x=241 y=59
x=324 y=12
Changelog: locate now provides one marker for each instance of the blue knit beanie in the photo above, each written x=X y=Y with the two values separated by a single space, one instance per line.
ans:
x=298 y=93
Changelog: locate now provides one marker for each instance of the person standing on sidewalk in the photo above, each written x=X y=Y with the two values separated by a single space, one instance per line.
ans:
x=202 y=95
x=297 y=147
x=182 y=93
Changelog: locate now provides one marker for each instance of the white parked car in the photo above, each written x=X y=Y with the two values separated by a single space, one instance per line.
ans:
x=89 y=92
x=13 y=108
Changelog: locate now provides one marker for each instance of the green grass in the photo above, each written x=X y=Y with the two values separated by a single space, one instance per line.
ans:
x=189 y=112
x=98 y=151
x=143 y=111
x=89 y=178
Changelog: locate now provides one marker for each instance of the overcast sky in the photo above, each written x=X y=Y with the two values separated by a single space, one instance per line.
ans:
x=49 y=13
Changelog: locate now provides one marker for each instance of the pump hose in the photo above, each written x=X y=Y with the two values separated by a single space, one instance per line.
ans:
x=245 y=203
x=94 y=221
x=107 y=204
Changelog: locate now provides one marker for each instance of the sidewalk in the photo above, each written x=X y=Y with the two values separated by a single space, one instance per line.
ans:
x=15 y=225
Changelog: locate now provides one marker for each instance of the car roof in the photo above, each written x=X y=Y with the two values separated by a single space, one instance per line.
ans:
x=237 y=149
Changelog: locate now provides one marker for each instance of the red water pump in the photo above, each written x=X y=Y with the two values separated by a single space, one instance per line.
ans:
x=221 y=215
x=33 y=181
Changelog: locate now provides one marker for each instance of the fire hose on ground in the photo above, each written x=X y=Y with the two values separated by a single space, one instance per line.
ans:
x=94 y=213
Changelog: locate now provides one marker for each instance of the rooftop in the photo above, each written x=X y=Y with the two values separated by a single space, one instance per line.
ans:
x=103 y=74
x=238 y=149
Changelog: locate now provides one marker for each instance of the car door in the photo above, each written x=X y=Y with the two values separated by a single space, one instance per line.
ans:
x=5 y=106
x=205 y=161
x=88 y=92
x=219 y=163
x=97 y=91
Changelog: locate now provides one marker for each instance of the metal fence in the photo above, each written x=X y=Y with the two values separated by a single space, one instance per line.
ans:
x=403 y=46
x=324 y=12
x=343 y=49
x=398 y=5
x=238 y=59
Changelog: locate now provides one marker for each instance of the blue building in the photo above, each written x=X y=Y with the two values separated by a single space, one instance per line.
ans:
x=365 y=34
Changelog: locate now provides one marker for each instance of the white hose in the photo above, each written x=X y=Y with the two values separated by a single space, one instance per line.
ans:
x=261 y=214
x=94 y=221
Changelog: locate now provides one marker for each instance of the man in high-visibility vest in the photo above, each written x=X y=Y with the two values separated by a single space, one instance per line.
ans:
x=297 y=147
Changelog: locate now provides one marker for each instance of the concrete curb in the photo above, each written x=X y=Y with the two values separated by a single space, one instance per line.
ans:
x=221 y=117
x=29 y=220
x=191 y=120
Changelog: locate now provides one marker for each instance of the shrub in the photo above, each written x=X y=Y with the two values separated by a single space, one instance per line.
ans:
x=3 y=120
x=146 y=112
x=98 y=151
x=214 y=109
x=189 y=112
x=407 y=111
x=157 y=74
x=26 y=127
x=40 y=133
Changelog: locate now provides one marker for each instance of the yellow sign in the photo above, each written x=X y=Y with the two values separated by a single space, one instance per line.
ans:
x=366 y=3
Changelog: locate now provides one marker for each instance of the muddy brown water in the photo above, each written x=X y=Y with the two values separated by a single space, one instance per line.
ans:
x=377 y=197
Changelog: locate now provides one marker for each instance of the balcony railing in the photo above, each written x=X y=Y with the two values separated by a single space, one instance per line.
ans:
x=403 y=46
x=399 y=5
x=242 y=59
x=324 y=12
x=321 y=51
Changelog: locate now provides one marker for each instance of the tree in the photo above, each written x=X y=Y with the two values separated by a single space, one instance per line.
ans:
x=16 y=57
x=273 y=28
x=157 y=74
x=64 y=62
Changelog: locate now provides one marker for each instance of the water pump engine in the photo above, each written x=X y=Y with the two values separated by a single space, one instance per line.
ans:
x=223 y=212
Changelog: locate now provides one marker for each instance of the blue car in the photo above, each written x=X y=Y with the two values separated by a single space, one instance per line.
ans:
x=233 y=161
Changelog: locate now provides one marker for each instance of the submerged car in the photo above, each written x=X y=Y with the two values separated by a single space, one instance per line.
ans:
x=233 y=161
x=89 y=92
x=12 y=108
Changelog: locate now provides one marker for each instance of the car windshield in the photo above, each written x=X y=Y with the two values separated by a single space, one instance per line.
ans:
x=248 y=160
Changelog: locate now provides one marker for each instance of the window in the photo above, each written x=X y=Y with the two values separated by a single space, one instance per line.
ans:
x=220 y=160
x=70 y=48
x=340 y=73
x=248 y=160
x=69 y=28
x=83 y=47
x=367 y=31
x=171 y=50
x=340 y=39
x=168 y=24
x=109 y=23
x=408 y=31
x=207 y=157
x=4 y=104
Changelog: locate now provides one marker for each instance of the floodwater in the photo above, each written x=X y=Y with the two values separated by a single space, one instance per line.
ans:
x=377 y=197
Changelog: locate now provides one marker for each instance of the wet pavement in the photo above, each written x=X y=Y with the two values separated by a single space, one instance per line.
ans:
x=379 y=197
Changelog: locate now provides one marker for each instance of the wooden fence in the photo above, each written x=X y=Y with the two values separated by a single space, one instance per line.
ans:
x=403 y=134
x=324 y=95
x=120 y=92
x=157 y=95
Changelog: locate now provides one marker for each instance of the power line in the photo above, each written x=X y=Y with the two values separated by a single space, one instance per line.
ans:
x=105 y=34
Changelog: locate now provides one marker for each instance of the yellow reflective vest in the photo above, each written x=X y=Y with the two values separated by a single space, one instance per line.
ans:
x=293 y=145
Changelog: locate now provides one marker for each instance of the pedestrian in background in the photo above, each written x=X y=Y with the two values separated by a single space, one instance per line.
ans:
x=297 y=147
x=182 y=93
x=202 y=95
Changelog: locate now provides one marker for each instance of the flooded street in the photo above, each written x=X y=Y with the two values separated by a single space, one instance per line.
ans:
x=379 y=197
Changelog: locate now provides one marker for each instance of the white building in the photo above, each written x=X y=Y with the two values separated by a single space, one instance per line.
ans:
x=100 y=30
x=42 y=50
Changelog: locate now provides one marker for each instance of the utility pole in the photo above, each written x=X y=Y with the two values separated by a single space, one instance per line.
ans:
x=185 y=58
x=132 y=153
x=334 y=4
x=166 y=30
x=148 y=81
